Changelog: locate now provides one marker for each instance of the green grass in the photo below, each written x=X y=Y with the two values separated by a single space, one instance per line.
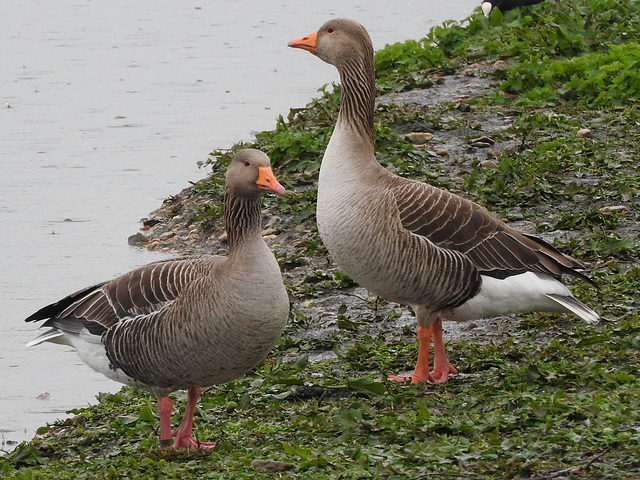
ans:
x=546 y=395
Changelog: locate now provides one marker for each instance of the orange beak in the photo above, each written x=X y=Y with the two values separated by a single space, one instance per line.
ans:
x=307 y=43
x=267 y=181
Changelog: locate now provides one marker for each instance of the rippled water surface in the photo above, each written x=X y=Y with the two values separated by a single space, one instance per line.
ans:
x=105 y=109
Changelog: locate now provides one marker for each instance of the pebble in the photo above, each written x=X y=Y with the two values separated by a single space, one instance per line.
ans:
x=149 y=222
x=494 y=153
x=273 y=220
x=583 y=133
x=418 y=138
x=614 y=208
x=481 y=142
x=489 y=164
x=441 y=152
x=137 y=239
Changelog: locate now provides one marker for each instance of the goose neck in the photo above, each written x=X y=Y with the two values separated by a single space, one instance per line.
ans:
x=358 y=94
x=241 y=218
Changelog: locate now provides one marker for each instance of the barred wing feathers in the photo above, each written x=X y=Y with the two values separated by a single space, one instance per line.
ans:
x=140 y=292
x=452 y=222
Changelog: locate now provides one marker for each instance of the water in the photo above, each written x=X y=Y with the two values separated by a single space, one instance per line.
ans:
x=105 y=108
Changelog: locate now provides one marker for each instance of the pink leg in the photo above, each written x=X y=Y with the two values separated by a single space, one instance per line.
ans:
x=441 y=366
x=165 y=404
x=421 y=373
x=184 y=431
x=183 y=434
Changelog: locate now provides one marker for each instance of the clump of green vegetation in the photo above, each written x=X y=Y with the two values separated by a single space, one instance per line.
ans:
x=543 y=398
x=595 y=79
x=576 y=49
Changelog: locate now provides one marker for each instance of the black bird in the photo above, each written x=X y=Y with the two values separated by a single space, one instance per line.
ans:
x=505 y=5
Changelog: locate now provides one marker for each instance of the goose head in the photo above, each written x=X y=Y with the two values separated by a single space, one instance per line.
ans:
x=249 y=174
x=338 y=42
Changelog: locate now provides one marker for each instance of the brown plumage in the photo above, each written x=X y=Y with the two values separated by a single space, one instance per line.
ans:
x=185 y=323
x=413 y=243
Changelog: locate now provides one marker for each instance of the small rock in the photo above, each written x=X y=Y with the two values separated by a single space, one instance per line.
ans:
x=464 y=107
x=493 y=153
x=149 y=222
x=418 y=138
x=271 y=466
x=489 y=164
x=273 y=220
x=137 y=239
x=482 y=142
x=583 y=133
x=441 y=152
x=614 y=208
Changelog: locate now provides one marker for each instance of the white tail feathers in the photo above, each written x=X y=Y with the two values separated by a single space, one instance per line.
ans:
x=52 y=335
x=574 y=306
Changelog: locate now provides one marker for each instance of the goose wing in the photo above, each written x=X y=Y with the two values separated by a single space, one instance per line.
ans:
x=100 y=307
x=454 y=223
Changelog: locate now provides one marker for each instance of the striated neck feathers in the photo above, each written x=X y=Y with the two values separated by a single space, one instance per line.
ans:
x=241 y=217
x=357 y=101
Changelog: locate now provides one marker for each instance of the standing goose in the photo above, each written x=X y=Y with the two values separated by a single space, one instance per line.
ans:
x=184 y=323
x=413 y=243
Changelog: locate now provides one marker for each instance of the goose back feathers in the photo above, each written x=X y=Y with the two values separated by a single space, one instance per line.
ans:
x=189 y=322
x=413 y=243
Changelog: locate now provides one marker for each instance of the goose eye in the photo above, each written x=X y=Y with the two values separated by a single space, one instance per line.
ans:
x=329 y=29
x=247 y=163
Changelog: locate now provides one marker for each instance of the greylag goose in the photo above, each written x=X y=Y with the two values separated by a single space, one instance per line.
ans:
x=415 y=244
x=184 y=323
x=504 y=5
